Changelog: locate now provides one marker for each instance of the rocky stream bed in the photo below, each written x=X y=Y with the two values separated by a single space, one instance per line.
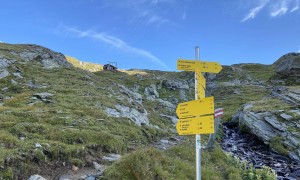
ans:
x=248 y=147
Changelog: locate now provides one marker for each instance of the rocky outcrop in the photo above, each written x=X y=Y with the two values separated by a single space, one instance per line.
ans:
x=151 y=92
x=131 y=95
x=26 y=53
x=289 y=96
x=267 y=127
x=175 y=84
x=166 y=104
x=288 y=65
x=139 y=117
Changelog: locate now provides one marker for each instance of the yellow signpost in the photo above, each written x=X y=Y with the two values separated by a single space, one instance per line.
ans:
x=195 y=116
x=196 y=125
x=192 y=65
x=201 y=80
x=187 y=65
x=196 y=108
x=211 y=67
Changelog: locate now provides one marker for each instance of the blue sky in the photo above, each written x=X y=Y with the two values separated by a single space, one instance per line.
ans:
x=153 y=34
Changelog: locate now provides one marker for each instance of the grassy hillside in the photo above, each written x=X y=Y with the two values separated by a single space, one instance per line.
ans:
x=84 y=65
x=72 y=127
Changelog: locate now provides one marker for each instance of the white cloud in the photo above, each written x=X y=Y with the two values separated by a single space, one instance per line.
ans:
x=279 y=8
x=154 y=19
x=275 y=7
x=253 y=12
x=296 y=6
x=117 y=43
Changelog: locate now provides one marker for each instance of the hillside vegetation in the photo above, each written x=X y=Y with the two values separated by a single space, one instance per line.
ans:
x=55 y=114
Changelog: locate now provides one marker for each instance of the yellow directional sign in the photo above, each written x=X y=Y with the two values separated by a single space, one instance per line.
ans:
x=211 y=67
x=201 y=92
x=186 y=65
x=200 y=79
x=199 y=125
x=195 y=108
x=192 y=65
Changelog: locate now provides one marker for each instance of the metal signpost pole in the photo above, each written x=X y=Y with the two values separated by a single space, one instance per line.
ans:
x=198 y=137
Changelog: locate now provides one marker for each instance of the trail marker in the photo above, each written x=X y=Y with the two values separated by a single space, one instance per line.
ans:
x=201 y=80
x=186 y=65
x=194 y=108
x=189 y=112
x=196 y=125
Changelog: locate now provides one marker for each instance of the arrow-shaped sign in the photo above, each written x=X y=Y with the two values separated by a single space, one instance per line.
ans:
x=195 y=108
x=192 y=65
x=210 y=67
x=198 y=125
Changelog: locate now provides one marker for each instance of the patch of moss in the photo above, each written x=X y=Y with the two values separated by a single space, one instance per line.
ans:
x=277 y=144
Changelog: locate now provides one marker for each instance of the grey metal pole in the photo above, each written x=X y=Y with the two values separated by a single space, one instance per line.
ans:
x=198 y=137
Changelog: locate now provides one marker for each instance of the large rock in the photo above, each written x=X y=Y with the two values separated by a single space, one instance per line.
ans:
x=166 y=104
x=176 y=84
x=133 y=96
x=288 y=65
x=26 y=53
x=4 y=73
x=139 y=117
x=151 y=92
x=266 y=127
x=36 y=177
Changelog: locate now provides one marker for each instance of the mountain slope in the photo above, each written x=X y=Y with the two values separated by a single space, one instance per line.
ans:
x=55 y=115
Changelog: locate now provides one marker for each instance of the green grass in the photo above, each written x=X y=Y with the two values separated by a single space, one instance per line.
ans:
x=260 y=71
x=179 y=163
x=231 y=102
x=269 y=104
x=276 y=144
x=73 y=125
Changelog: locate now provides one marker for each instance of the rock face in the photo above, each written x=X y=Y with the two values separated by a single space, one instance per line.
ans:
x=176 y=84
x=26 y=53
x=151 y=92
x=139 y=118
x=266 y=126
x=288 y=65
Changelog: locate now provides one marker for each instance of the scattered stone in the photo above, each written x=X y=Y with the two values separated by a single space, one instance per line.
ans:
x=112 y=157
x=45 y=96
x=98 y=167
x=38 y=145
x=18 y=75
x=90 y=178
x=75 y=168
x=13 y=82
x=36 y=177
x=286 y=117
x=237 y=91
x=3 y=73
x=247 y=106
